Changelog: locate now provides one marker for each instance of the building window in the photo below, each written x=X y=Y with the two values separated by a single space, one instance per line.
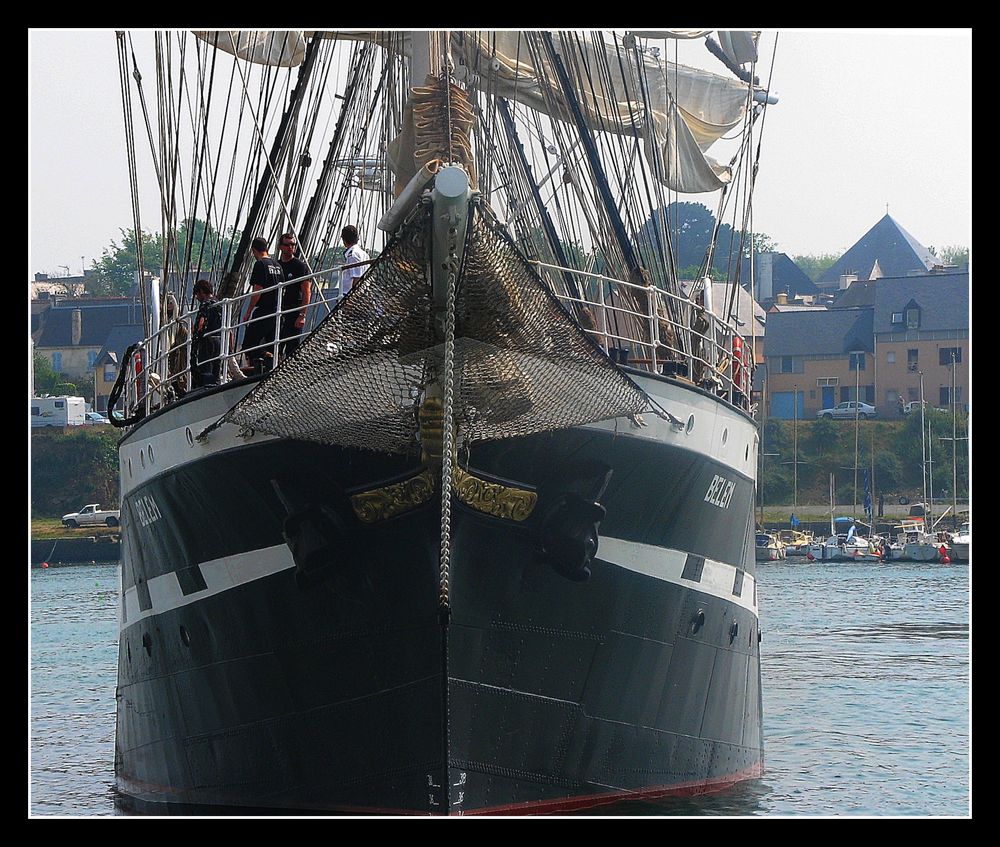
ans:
x=913 y=394
x=109 y=373
x=57 y=362
x=91 y=358
x=827 y=380
x=945 y=353
x=890 y=357
x=946 y=395
x=845 y=393
x=868 y=394
x=912 y=362
x=857 y=361
x=913 y=318
x=786 y=365
x=897 y=317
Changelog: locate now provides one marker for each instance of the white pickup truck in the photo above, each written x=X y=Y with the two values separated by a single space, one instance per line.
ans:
x=91 y=515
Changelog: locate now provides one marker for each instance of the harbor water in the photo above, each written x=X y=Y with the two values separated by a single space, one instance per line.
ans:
x=865 y=670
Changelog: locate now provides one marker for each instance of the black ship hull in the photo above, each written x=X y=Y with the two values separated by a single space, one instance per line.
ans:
x=280 y=653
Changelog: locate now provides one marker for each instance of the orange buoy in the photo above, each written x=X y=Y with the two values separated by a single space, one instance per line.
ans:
x=810 y=556
x=45 y=564
x=943 y=553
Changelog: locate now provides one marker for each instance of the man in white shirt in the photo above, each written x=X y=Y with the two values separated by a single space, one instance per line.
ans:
x=352 y=255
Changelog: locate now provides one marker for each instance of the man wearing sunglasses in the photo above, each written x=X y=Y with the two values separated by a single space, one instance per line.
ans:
x=295 y=296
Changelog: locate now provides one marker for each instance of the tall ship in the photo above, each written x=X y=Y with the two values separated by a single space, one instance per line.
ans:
x=468 y=526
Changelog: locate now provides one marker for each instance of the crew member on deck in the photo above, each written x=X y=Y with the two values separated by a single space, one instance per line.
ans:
x=353 y=253
x=261 y=312
x=295 y=296
x=206 y=340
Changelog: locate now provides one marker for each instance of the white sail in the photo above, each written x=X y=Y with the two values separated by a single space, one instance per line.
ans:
x=684 y=111
x=284 y=48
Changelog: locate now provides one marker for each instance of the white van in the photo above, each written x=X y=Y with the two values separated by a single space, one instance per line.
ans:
x=58 y=411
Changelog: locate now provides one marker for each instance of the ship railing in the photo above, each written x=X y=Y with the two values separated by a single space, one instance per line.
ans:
x=639 y=326
x=161 y=370
x=644 y=327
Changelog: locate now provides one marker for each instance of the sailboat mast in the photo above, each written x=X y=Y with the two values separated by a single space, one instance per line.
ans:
x=954 y=450
x=543 y=212
x=795 y=449
x=857 y=427
x=229 y=286
x=832 y=507
x=590 y=148
x=923 y=441
x=305 y=233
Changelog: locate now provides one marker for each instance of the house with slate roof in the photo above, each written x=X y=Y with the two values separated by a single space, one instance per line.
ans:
x=776 y=275
x=880 y=340
x=109 y=361
x=885 y=250
x=71 y=333
x=818 y=358
x=921 y=327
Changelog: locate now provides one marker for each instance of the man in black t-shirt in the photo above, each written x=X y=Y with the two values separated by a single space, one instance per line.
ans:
x=261 y=313
x=294 y=296
x=205 y=340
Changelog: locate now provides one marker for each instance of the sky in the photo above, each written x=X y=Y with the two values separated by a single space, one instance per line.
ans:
x=868 y=121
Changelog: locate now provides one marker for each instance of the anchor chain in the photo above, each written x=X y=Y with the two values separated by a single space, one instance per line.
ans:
x=448 y=436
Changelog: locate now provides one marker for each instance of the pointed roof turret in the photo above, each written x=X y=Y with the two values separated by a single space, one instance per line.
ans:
x=886 y=249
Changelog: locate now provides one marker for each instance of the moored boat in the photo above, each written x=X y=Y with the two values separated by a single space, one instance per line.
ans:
x=961 y=543
x=768 y=547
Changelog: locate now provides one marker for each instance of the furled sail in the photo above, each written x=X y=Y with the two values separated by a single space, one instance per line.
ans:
x=284 y=48
x=682 y=113
x=678 y=111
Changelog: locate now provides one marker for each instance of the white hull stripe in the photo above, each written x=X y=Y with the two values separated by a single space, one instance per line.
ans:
x=717 y=578
x=220 y=575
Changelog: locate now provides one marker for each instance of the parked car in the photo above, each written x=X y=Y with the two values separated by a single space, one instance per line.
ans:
x=914 y=406
x=96 y=418
x=92 y=515
x=847 y=410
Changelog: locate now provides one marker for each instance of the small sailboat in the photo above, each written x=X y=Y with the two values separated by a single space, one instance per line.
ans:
x=768 y=547
x=961 y=543
x=796 y=541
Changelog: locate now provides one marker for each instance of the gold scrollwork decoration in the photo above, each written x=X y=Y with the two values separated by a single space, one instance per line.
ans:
x=379 y=504
x=501 y=501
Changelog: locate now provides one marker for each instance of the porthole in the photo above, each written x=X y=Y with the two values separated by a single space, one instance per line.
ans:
x=189 y=436
x=725 y=435
x=697 y=621
x=690 y=425
x=149 y=450
x=142 y=458
x=746 y=456
x=130 y=466
x=147 y=642
x=185 y=636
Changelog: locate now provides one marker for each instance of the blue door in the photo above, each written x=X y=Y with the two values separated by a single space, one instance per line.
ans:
x=781 y=405
x=829 y=397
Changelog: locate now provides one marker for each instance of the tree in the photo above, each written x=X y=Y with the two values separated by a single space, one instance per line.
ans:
x=690 y=227
x=208 y=249
x=824 y=437
x=43 y=377
x=117 y=266
x=195 y=245
x=954 y=254
x=814 y=266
